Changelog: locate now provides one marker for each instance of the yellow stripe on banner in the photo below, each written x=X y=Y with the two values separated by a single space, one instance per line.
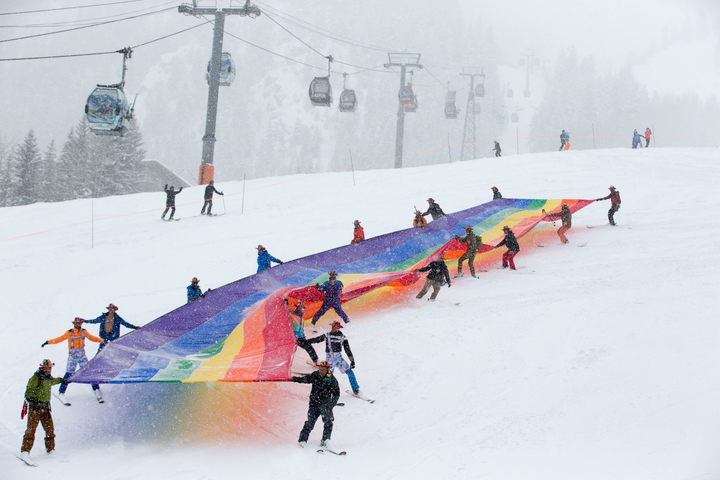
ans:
x=215 y=368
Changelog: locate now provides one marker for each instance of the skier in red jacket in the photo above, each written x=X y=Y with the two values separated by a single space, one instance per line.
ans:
x=614 y=197
x=358 y=234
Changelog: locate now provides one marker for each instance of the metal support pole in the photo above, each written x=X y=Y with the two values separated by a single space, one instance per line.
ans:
x=469 y=128
x=593 y=130
x=449 y=154
x=242 y=209
x=400 y=130
x=517 y=138
x=352 y=167
x=208 y=150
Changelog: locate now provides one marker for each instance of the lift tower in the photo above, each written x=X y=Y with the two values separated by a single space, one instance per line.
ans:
x=402 y=60
x=467 y=153
x=207 y=169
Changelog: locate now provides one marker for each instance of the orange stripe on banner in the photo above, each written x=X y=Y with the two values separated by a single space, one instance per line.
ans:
x=246 y=363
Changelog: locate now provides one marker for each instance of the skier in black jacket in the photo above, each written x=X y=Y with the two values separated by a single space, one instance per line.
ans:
x=208 y=197
x=438 y=272
x=335 y=342
x=434 y=210
x=497 y=149
x=170 y=202
x=513 y=247
x=324 y=395
x=496 y=193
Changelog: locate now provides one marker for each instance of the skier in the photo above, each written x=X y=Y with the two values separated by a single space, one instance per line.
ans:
x=614 y=197
x=297 y=323
x=564 y=140
x=76 y=354
x=170 y=202
x=419 y=220
x=513 y=247
x=636 y=140
x=37 y=398
x=324 y=395
x=358 y=234
x=110 y=323
x=264 y=259
x=497 y=149
x=434 y=210
x=332 y=289
x=209 y=190
x=194 y=291
x=438 y=273
x=566 y=215
x=648 y=134
x=335 y=342
x=496 y=193
x=474 y=244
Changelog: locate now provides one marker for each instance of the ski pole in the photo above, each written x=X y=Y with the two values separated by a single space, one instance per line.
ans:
x=224 y=209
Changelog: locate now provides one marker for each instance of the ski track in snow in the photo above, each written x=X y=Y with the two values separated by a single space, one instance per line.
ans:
x=599 y=364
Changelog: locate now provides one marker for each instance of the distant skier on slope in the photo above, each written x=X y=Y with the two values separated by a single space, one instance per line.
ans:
x=434 y=210
x=335 y=342
x=564 y=140
x=513 y=247
x=419 y=221
x=264 y=259
x=636 y=140
x=332 y=290
x=614 y=197
x=209 y=190
x=496 y=193
x=297 y=321
x=438 y=273
x=194 y=291
x=358 y=233
x=324 y=396
x=648 y=134
x=566 y=215
x=170 y=201
x=37 y=398
x=76 y=354
x=474 y=244
x=497 y=149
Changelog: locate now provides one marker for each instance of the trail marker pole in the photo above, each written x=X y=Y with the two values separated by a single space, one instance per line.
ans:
x=242 y=210
x=449 y=154
x=593 y=130
x=352 y=167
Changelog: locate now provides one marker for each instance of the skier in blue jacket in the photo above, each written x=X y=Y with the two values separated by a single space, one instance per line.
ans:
x=332 y=290
x=264 y=258
x=636 y=140
x=110 y=323
x=194 y=291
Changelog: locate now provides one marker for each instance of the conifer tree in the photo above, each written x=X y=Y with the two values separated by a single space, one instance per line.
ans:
x=27 y=163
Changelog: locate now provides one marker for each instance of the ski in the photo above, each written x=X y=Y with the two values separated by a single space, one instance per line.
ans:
x=359 y=395
x=67 y=404
x=26 y=462
x=321 y=450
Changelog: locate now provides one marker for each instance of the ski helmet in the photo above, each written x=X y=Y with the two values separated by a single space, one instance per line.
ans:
x=211 y=182
x=494 y=189
x=430 y=199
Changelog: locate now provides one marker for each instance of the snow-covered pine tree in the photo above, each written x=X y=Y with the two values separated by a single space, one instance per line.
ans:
x=74 y=168
x=122 y=161
x=49 y=191
x=27 y=168
x=6 y=193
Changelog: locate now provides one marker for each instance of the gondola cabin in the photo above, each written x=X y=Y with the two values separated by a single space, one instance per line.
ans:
x=451 y=111
x=413 y=106
x=227 y=70
x=348 y=101
x=106 y=111
x=320 y=92
x=406 y=96
x=480 y=90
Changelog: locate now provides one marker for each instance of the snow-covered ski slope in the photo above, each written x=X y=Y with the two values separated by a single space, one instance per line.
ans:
x=585 y=363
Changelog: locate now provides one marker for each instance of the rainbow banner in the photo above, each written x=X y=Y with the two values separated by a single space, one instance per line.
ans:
x=242 y=332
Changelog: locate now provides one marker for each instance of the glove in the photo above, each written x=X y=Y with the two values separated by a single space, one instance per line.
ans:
x=352 y=364
x=449 y=285
x=134 y=328
x=598 y=199
x=280 y=262
x=221 y=193
x=44 y=344
x=286 y=301
x=64 y=381
x=317 y=285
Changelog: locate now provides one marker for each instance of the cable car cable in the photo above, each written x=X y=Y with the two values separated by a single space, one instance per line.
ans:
x=101 y=53
x=332 y=35
x=71 y=8
x=295 y=36
x=87 y=26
